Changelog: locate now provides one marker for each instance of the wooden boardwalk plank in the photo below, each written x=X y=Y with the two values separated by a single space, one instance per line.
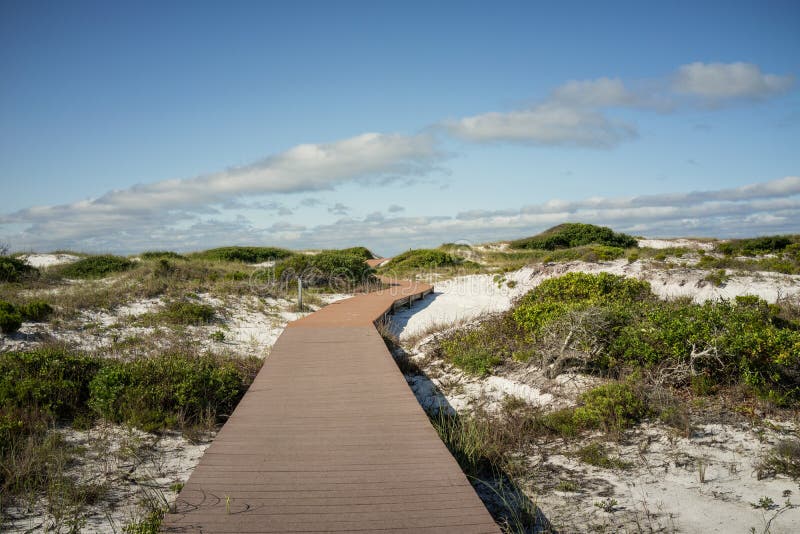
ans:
x=330 y=438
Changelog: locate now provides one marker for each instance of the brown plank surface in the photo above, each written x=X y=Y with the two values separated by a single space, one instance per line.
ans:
x=330 y=438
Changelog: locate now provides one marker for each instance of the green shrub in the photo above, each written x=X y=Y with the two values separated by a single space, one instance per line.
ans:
x=740 y=341
x=596 y=454
x=244 y=254
x=328 y=268
x=10 y=321
x=555 y=297
x=95 y=267
x=11 y=316
x=51 y=380
x=361 y=252
x=155 y=393
x=422 y=259
x=36 y=311
x=161 y=254
x=570 y=235
x=14 y=269
x=469 y=351
x=757 y=245
x=612 y=407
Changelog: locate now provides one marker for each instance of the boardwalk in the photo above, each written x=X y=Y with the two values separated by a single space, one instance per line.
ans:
x=329 y=438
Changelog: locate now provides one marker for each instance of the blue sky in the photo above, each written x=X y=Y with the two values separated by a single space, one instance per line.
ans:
x=185 y=125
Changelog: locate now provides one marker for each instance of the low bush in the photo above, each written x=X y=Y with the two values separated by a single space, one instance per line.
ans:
x=361 y=252
x=161 y=254
x=426 y=259
x=758 y=245
x=50 y=380
x=596 y=454
x=40 y=387
x=15 y=270
x=335 y=269
x=156 y=393
x=477 y=350
x=612 y=325
x=150 y=393
x=35 y=310
x=10 y=321
x=244 y=254
x=182 y=312
x=555 y=297
x=570 y=235
x=611 y=408
x=11 y=316
x=93 y=267
x=470 y=350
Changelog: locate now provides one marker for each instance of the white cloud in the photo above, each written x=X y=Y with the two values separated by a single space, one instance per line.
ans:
x=546 y=124
x=761 y=208
x=367 y=158
x=577 y=113
x=723 y=81
x=602 y=92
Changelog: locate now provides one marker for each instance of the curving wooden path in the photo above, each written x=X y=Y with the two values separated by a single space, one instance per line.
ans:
x=330 y=438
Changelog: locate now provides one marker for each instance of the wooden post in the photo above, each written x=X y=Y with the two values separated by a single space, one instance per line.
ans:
x=299 y=293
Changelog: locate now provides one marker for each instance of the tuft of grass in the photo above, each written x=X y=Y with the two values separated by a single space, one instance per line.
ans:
x=596 y=454
x=783 y=459
x=93 y=267
x=467 y=351
x=181 y=312
x=717 y=278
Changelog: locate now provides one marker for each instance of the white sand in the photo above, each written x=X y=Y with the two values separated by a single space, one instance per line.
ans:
x=43 y=261
x=467 y=297
x=669 y=243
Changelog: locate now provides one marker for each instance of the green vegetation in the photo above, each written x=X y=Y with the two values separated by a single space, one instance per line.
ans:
x=327 y=269
x=95 y=267
x=15 y=270
x=596 y=454
x=425 y=260
x=758 y=245
x=171 y=389
x=465 y=350
x=161 y=254
x=787 y=262
x=783 y=459
x=243 y=254
x=11 y=316
x=611 y=325
x=182 y=312
x=570 y=235
x=41 y=387
x=361 y=252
